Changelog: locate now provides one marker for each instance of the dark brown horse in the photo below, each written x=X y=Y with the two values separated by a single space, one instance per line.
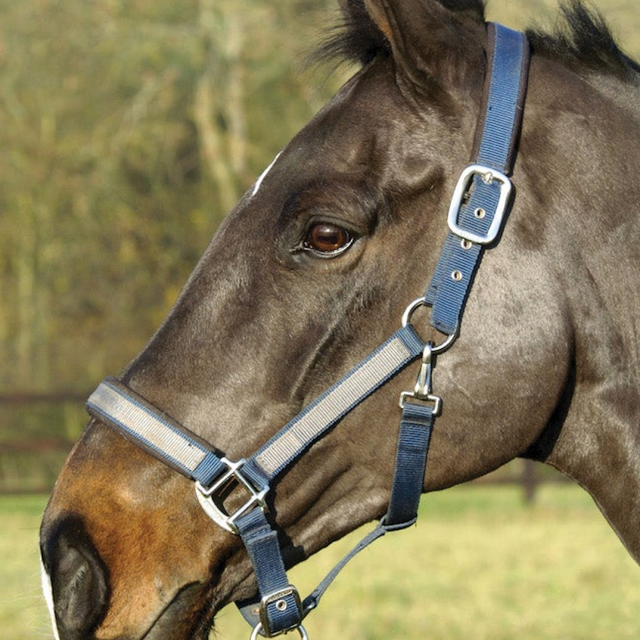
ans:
x=313 y=269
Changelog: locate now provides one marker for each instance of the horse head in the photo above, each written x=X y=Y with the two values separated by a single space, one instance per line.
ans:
x=313 y=269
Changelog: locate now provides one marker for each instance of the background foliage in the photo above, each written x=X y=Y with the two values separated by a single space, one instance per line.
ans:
x=128 y=128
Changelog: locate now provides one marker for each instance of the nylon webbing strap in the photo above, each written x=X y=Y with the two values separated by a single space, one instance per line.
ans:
x=281 y=608
x=479 y=216
x=166 y=439
x=115 y=404
x=414 y=438
x=482 y=197
x=319 y=416
x=408 y=477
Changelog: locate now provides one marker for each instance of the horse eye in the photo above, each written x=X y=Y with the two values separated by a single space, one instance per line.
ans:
x=327 y=238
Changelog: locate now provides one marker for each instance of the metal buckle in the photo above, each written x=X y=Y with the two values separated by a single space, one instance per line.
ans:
x=435 y=349
x=423 y=390
x=278 y=597
x=437 y=401
x=489 y=176
x=258 y=631
x=213 y=507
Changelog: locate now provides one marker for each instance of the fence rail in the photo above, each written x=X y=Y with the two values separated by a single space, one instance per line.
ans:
x=30 y=465
x=26 y=398
x=37 y=432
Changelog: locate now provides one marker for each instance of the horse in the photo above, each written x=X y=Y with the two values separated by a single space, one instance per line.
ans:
x=313 y=269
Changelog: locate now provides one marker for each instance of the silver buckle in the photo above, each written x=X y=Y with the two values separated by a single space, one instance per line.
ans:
x=405 y=396
x=259 y=631
x=278 y=597
x=488 y=175
x=211 y=501
x=435 y=349
x=423 y=389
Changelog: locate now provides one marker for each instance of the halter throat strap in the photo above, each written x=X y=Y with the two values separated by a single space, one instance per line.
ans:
x=476 y=218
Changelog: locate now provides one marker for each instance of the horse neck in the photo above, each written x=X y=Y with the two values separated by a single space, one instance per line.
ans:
x=598 y=429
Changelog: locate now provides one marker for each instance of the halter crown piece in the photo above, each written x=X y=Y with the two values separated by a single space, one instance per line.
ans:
x=476 y=219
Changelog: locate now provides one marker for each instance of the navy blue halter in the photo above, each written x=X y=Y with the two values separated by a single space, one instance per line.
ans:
x=476 y=219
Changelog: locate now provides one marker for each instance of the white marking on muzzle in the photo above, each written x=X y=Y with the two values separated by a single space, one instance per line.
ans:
x=258 y=184
x=48 y=596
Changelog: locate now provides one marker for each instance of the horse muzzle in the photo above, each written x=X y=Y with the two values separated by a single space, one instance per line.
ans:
x=77 y=589
x=75 y=580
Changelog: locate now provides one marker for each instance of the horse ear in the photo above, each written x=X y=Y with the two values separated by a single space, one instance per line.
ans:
x=431 y=40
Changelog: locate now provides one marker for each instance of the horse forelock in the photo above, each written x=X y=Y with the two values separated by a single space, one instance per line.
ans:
x=581 y=38
x=357 y=39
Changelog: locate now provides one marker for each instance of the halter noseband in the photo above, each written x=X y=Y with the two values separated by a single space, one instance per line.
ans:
x=476 y=218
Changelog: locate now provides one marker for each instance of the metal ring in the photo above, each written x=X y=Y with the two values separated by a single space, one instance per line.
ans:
x=300 y=629
x=435 y=349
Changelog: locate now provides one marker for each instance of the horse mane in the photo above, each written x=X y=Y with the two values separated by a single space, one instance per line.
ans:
x=354 y=39
x=581 y=39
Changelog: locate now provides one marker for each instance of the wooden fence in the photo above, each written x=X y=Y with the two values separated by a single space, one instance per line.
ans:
x=30 y=458
x=30 y=465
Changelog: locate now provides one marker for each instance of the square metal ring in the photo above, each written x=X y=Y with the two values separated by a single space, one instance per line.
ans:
x=275 y=597
x=233 y=474
x=489 y=175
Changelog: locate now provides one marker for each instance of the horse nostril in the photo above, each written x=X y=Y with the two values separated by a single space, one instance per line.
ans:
x=78 y=579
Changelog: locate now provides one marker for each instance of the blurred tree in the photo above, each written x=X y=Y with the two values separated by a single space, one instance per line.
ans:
x=128 y=129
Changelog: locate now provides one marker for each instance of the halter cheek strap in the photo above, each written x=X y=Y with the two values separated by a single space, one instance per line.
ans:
x=476 y=217
x=483 y=194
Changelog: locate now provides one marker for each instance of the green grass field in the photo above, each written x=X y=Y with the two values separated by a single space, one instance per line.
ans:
x=479 y=565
